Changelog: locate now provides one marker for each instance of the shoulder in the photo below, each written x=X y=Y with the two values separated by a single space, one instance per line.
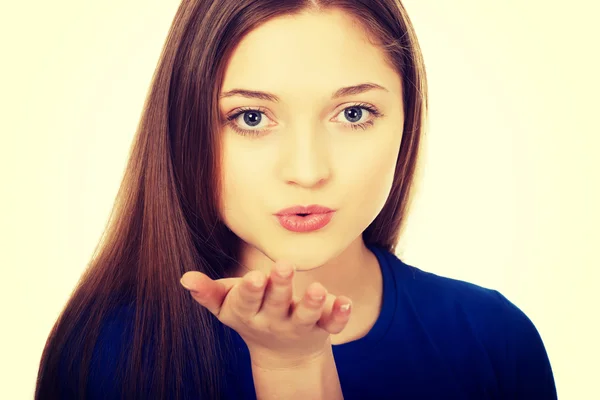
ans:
x=105 y=373
x=486 y=311
x=469 y=313
x=494 y=319
x=428 y=290
x=425 y=289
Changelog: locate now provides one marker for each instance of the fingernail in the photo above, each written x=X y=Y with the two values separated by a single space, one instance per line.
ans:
x=258 y=281
x=317 y=297
x=345 y=308
x=284 y=270
x=185 y=282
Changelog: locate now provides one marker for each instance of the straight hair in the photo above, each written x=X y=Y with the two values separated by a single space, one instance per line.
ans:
x=166 y=216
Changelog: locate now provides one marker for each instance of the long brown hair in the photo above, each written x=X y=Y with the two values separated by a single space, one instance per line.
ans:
x=166 y=219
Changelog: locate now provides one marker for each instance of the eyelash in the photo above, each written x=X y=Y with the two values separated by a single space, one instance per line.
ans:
x=255 y=132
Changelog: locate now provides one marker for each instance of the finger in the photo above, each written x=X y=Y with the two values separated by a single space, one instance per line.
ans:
x=279 y=291
x=336 y=320
x=248 y=295
x=308 y=311
x=209 y=293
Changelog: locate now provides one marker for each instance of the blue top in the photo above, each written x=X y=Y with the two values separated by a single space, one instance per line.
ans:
x=435 y=338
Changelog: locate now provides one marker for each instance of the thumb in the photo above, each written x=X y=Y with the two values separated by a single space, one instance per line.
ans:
x=209 y=293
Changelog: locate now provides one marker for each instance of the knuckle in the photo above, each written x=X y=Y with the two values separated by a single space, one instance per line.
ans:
x=279 y=288
x=334 y=328
x=251 y=292
x=305 y=324
x=242 y=309
x=250 y=297
x=306 y=317
x=277 y=301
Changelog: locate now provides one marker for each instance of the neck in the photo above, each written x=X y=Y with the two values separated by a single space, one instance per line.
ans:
x=354 y=272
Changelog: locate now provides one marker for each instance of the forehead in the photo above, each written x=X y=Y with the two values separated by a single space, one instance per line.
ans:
x=310 y=52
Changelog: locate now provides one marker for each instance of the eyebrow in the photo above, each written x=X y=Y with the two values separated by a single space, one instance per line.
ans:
x=341 y=92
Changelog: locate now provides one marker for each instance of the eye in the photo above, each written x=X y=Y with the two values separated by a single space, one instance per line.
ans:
x=251 y=117
x=355 y=113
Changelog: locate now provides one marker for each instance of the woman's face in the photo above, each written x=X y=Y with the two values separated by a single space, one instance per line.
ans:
x=302 y=149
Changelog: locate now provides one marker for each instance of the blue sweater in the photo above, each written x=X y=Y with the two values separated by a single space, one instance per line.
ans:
x=435 y=338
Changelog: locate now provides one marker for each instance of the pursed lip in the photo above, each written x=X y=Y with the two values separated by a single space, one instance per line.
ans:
x=311 y=209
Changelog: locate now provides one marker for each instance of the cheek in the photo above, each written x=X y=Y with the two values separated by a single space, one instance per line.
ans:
x=243 y=182
x=371 y=176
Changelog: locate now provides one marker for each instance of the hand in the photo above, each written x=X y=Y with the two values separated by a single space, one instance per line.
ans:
x=278 y=327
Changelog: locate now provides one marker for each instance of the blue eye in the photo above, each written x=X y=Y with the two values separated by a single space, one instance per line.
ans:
x=253 y=117
x=353 y=113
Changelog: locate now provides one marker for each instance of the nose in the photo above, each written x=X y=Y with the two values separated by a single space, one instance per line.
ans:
x=305 y=158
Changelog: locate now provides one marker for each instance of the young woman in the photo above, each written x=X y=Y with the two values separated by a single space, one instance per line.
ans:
x=257 y=107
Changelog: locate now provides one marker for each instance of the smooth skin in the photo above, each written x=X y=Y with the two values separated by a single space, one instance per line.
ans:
x=277 y=326
x=308 y=152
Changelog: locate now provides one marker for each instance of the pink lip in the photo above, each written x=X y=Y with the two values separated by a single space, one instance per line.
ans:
x=311 y=209
x=311 y=222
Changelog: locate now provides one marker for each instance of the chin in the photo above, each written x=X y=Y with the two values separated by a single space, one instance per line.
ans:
x=307 y=257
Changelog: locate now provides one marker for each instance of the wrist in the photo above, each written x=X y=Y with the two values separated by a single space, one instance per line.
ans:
x=312 y=376
x=270 y=360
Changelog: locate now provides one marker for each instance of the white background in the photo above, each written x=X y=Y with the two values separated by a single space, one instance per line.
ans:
x=510 y=193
